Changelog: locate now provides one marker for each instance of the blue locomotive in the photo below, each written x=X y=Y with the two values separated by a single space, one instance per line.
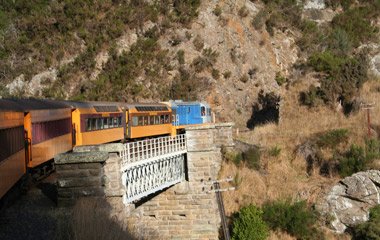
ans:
x=190 y=113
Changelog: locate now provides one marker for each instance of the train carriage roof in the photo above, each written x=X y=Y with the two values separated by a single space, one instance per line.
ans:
x=148 y=107
x=22 y=105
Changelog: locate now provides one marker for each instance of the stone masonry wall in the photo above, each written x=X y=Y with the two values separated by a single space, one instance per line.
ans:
x=187 y=210
x=92 y=171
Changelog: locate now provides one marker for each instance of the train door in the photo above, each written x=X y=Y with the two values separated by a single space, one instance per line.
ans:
x=28 y=137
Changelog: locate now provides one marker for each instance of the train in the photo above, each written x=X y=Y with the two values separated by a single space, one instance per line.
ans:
x=33 y=131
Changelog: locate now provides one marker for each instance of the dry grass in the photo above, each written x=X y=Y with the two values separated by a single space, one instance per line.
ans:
x=285 y=176
x=91 y=220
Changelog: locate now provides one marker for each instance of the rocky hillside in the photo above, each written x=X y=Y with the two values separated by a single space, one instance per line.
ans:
x=220 y=51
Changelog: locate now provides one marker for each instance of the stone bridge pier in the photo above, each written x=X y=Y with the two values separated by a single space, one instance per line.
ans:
x=184 y=211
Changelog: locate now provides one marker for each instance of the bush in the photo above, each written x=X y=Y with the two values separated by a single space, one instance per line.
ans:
x=198 y=43
x=181 y=56
x=217 y=11
x=275 y=151
x=333 y=138
x=372 y=149
x=313 y=97
x=248 y=224
x=252 y=158
x=206 y=61
x=215 y=73
x=353 y=161
x=343 y=77
x=294 y=218
x=243 y=12
x=280 y=79
x=371 y=229
x=259 y=20
x=356 y=22
x=233 y=156
x=244 y=78
x=186 y=10
x=227 y=74
x=282 y=14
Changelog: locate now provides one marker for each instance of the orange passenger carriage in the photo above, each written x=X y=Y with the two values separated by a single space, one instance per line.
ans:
x=147 y=120
x=96 y=122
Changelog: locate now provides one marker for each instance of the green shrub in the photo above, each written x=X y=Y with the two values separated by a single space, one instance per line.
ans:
x=280 y=79
x=259 y=20
x=243 y=12
x=237 y=180
x=275 y=151
x=217 y=11
x=370 y=229
x=356 y=22
x=198 y=43
x=244 y=78
x=206 y=61
x=333 y=138
x=294 y=218
x=313 y=97
x=282 y=14
x=343 y=77
x=215 y=73
x=248 y=224
x=339 y=42
x=181 y=56
x=353 y=161
x=227 y=74
x=234 y=157
x=326 y=62
x=252 y=158
x=186 y=10
x=372 y=149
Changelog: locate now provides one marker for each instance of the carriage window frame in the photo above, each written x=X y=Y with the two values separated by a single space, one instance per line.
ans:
x=102 y=123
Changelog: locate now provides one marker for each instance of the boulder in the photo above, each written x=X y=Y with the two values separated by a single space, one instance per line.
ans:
x=348 y=202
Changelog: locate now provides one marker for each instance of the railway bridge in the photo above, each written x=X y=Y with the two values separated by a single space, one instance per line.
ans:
x=160 y=185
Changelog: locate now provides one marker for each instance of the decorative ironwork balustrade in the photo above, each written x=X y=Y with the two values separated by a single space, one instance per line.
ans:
x=135 y=153
x=151 y=165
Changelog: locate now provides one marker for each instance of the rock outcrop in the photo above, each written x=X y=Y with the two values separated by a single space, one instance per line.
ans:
x=348 y=202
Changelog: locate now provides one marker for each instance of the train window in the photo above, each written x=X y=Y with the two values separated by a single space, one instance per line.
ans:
x=99 y=123
x=110 y=123
x=146 y=120
x=43 y=131
x=162 y=119
x=12 y=140
x=105 y=123
x=156 y=119
x=166 y=118
x=115 y=122
x=135 y=121
x=93 y=123
x=151 y=120
x=203 y=111
x=119 y=119
x=88 y=125
x=141 y=121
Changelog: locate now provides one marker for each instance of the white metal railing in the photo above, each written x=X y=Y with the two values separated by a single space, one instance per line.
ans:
x=136 y=153
x=151 y=165
x=142 y=180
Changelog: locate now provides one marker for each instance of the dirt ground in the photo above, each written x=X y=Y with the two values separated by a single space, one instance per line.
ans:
x=34 y=214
